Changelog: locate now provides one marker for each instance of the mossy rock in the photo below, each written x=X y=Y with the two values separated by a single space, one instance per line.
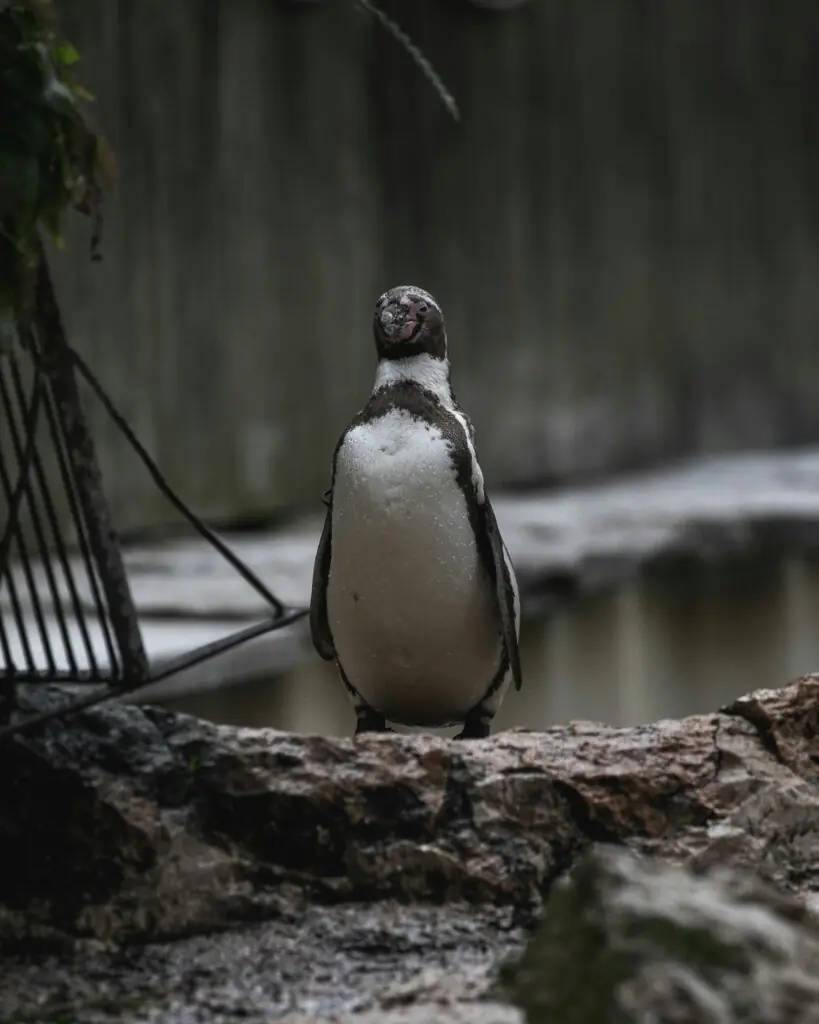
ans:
x=627 y=939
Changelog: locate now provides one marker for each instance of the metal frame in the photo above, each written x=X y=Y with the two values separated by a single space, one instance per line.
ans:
x=53 y=407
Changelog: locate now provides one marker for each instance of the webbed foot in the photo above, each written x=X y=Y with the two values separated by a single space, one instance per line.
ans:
x=476 y=727
x=368 y=720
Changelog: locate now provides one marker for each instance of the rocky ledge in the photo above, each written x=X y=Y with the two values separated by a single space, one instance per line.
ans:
x=159 y=868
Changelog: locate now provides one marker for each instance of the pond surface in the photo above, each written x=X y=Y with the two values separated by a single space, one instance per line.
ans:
x=665 y=646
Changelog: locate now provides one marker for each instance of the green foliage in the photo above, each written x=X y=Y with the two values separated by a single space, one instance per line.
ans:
x=51 y=159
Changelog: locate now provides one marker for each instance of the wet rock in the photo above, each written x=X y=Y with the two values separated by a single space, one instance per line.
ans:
x=631 y=939
x=358 y=962
x=158 y=865
x=138 y=823
x=787 y=721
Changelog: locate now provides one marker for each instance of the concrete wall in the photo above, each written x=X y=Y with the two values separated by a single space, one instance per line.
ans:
x=623 y=231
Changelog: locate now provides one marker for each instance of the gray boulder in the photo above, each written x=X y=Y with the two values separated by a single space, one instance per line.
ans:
x=632 y=940
x=159 y=868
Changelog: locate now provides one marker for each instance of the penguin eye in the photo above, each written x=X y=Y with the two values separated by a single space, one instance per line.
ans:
x=423 y=308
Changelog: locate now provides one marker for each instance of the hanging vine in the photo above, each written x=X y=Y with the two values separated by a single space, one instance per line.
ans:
x=51 y=158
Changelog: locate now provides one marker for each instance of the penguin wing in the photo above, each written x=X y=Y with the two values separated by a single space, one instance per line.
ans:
x=503 y=589
x=319 y=623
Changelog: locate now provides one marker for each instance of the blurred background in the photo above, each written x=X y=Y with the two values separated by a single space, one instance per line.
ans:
x=623 y=231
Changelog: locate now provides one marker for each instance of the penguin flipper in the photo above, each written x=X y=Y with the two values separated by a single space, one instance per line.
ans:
x=319 y=623
x=503 y=587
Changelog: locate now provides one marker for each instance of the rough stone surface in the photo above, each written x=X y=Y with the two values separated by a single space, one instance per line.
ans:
x=358 y=962
x=164 y=869
x=632 y=940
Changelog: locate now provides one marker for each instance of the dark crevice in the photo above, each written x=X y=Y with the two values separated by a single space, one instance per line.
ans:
x=718 y=755
x=768 y=741
x=593 y=830
x=762 y=726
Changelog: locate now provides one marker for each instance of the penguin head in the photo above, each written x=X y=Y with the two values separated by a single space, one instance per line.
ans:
x=408 y=322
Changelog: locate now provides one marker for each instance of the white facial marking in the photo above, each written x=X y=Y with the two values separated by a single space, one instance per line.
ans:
x=424 y=370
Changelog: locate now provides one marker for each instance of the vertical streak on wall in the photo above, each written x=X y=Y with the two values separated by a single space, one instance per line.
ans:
x=632 y=671
x=624 y=230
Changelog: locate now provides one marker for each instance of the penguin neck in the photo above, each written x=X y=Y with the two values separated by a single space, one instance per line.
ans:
x=425 y=370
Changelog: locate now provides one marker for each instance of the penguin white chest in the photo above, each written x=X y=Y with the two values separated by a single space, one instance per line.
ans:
x=410 y=606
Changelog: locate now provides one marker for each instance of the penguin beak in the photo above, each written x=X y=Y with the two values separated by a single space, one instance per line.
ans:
x=397 y=323
x=407 y=330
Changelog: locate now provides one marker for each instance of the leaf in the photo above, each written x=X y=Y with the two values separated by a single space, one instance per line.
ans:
x=27 y=129
x=59 y=98
x=64 y=53
x=19 y=182
x=56 y=95
x=25 y=76
x=51 y=158
x=24 y=20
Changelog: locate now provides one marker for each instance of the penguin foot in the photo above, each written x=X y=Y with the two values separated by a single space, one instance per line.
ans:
x=476 y=727
x=368 y=720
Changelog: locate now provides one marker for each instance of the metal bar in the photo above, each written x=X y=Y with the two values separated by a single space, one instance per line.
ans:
x=227 y=643
x=22 y=548
x=205 y=531
x=71 y=584
x=70 y=491
x=18 y=615
x=8 y=668
x=41 y=488
x=82 y=677
x=81 y=453
x=62 y=556
x=30 y=422
x=114 y=670
x=185 y=661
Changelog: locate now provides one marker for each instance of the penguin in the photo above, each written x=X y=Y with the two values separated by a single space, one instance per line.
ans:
x=414 y=595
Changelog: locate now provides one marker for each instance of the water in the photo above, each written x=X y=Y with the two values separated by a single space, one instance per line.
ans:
x=668 y=645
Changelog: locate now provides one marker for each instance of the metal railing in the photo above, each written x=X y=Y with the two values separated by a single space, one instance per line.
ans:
x=55 y=602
